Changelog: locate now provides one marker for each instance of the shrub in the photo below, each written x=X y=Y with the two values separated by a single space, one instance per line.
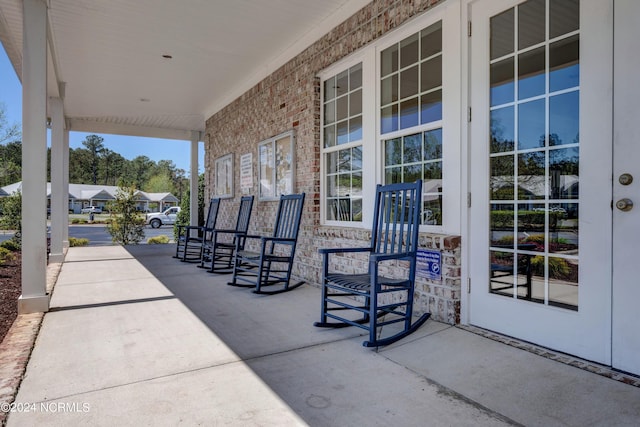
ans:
x=558 y=267
x=127 y=225
x=12 y=244
x=5 y=255
x=75 y=241
x=158 y=240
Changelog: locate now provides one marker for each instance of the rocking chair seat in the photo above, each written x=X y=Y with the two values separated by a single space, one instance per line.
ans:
x=394 y=237
x=272 y=264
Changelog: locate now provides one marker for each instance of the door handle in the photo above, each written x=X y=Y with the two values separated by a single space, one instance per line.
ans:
x=625 y=205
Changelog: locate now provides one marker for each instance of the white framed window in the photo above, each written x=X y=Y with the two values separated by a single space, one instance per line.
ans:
x=410 y=122
x=276 y=166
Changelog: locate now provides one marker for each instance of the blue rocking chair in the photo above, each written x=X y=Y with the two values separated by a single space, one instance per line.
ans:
x=272 y=264
x=219 y=246
x=394 y=237
x=188 y=245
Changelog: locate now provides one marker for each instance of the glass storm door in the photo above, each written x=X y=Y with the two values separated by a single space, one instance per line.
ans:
x=540 y=220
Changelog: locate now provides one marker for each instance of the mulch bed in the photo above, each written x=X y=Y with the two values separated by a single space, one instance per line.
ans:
x=10 y=290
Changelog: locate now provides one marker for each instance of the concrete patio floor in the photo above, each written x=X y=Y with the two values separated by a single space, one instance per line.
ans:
x=135 y=337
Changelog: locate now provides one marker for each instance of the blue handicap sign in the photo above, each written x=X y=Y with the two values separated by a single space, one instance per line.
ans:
x=429 y=264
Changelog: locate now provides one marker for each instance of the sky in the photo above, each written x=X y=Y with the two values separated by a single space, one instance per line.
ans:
x=127 y=146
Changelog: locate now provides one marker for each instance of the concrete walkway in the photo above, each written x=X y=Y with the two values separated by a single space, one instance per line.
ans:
x=135 y=337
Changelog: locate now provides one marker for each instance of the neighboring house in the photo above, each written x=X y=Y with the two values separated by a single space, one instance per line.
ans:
x=83 y=195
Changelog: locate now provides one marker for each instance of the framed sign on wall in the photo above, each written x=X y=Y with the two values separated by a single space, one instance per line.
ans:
x=276 y=166
x=224 y=176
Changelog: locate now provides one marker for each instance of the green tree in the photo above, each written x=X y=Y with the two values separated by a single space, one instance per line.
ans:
x=11 y=218
x=127 y=225
x=8 y=133
x=95 y=145
x=10 y=150
x=183 y=216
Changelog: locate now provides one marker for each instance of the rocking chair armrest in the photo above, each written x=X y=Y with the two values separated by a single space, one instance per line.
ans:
x=228 y=231
x=278 y=240
x=386 y=257
x=342 y=250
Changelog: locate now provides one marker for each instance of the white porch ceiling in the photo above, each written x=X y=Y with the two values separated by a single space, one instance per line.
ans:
x=109 y=54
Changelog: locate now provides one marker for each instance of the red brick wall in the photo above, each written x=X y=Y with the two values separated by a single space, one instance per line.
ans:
x=290 y=99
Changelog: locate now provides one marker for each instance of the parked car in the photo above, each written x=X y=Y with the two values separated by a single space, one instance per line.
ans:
x=158 y=219
x=92 y=209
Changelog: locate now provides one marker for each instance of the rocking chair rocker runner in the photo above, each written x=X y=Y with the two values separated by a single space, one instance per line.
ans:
x=188 y=246
x=219 y=246
x=394 y=237
x=272 y=264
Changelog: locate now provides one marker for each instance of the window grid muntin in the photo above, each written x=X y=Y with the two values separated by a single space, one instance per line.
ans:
x=393 y=124
x=334 y=143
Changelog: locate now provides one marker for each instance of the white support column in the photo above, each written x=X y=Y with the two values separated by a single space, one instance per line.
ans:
x=59 y=200
x=193 y=183
x=34 y=296
x=65 y=185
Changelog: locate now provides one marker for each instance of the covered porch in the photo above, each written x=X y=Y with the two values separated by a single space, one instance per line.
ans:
x=136 y=337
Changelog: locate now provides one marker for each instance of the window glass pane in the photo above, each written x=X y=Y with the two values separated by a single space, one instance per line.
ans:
x=502 y=82
x=531 y=124
x=332 y=186
x=531 y=175
x=356 y=153
x=502 y=32
x=389 y=90
x=409 y=82
x=563 y=225
x=342 y=107
x=393 y=152
x=531 y=23
x=564 y=119
x=355 y=128
x=433 y=144
x=412 y=173
x=344 y=162
x=329 y=112
x=389 y=119
x=564 y=17
x=355 y=103
x=502 y=130
x=531 y=73
x=355 y=77
x=342 y=83
x=431 y=74
x=433 y=176
x=409 y=51
x=393 y=175
x=330 y=89
x=432 y=209
x=431 y=107
x=564 y=172
x=413 y=149
x=531 y=226
x=329 y=136
x=332 y=162
x=502 y=273
x=431 y=40
x=502 y=172
x=356 y=209
x=502 y=226
x=563 y=282
x=564 y=64
x=389 y=60
x=409 y=113
x=343 y=132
